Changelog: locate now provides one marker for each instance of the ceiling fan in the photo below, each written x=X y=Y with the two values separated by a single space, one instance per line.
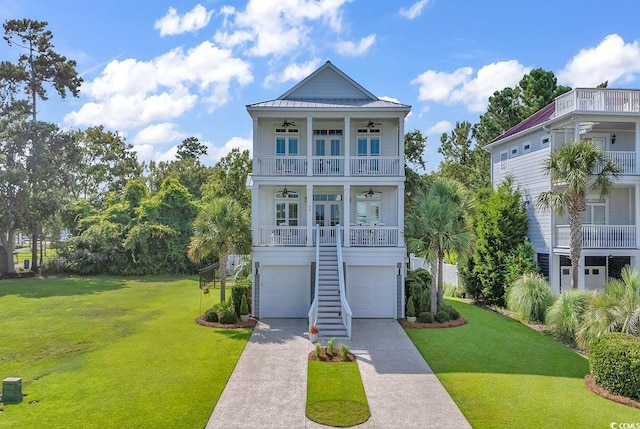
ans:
x=370 y=193
x=372 y=124
x=287 y=124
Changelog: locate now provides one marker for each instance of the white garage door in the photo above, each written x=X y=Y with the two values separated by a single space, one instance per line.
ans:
x=371 y=291
x=284 y=291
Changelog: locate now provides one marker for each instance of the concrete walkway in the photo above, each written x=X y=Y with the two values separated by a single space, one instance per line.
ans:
x=268 y=386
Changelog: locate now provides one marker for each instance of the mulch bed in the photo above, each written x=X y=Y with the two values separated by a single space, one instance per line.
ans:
x=417 y=325
x=239 y=324
x=590 y=383
x=336 y=357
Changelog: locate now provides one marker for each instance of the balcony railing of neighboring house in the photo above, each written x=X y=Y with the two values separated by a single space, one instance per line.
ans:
x=600 y=236
x=625 y=159
x=282 y=235
x=373 y=236
x=375 y=166
x=282 y=166
x=328 y=166
x=598 y=100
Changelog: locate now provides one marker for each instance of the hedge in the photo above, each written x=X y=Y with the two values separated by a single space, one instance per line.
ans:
x=614 y=359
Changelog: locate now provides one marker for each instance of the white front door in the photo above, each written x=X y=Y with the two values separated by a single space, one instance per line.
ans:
x=327 y=215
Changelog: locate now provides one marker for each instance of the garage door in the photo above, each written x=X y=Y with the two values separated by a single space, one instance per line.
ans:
x=371 y=291
x=284 y=291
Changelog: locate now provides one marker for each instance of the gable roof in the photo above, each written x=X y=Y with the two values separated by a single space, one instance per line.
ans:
x=541 y=116
x=328 y=87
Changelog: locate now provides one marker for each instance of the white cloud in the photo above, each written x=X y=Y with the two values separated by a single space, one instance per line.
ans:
x=293 y=72
x=612 y=60
x=353 y=49
x=215 y=153
x=133 y=93
x=415 y=10
x=439 y=127
x=461 y=87
x=393 y=100
x=158 y=134
x=277 y=28
x=172 y=23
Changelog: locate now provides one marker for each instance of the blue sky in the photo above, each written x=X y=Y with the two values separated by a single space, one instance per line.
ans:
x=159 y=71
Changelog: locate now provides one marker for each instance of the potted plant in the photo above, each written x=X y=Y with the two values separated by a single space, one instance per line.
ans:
x=244 y=309
x=313 y=334
x=411 y=310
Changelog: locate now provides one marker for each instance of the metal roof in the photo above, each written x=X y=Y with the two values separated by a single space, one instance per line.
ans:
x=332 y=103
x=543 y=115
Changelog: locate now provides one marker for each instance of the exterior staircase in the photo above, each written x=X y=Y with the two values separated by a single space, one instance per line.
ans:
x=329 y=322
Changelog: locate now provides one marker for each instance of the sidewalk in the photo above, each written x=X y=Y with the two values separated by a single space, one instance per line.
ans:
x=268 y=386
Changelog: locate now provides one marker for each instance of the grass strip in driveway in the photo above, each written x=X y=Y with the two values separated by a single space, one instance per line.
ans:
x=503 y=374
x=111 y=352
x=335 y=394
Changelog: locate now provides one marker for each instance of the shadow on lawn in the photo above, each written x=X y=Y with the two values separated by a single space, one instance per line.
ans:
x=493 y=343
x=41 y=287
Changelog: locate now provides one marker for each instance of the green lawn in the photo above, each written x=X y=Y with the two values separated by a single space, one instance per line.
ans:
x=108 y=352
x=502 y=374
x=335 y=394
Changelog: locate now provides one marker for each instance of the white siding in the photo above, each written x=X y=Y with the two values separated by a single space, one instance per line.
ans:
x=327 y=85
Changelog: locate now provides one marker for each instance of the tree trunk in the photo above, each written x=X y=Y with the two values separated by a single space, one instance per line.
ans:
x=8 y=239
x=440 y=282
x=34 y=248
x=575 y=214
x=433 y=288
x=223 y=275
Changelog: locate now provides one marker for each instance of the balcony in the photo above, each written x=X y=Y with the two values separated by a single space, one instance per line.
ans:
x=625 y=159
x=329 y=166
x=598 y=100
x=359 y=236
x=600 y=236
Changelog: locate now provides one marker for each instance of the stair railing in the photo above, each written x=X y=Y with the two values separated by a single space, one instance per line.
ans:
x=313 y=311
x=346 y=310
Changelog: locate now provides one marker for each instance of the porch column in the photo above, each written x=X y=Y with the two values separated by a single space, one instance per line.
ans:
x=346 y=217
x=400 y=202
x=401 y=145
x=581 y=267
x=347 y=145
x=256 y=139
x=310 y=225
x=576 y=131
x=255 y=214
x=309 y=146
x=636 y=216
x=637 y=166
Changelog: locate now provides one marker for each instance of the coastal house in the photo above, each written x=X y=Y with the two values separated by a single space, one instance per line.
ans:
x=611 y=119
x=327 y=195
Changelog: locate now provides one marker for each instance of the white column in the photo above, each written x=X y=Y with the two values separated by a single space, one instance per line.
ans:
x=636 y=213
x=347 y=146
x=309 y=146
x=637 y=169
x=310 y=225
x=576 y=131
x=400 y=203
x=346 y=214
x=255 y=214
x=256 y=139
x=401 y=144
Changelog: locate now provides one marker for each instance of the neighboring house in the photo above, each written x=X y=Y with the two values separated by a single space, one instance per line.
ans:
x=328 y=152
x=611 y=119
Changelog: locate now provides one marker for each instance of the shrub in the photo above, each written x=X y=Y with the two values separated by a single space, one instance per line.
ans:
x=567 y=312
x=452 y=312
x=344 y=352
x=529 y=297
x=424 y=276
x=417 y=287
x=227 y=317
x=425 y=317
x=211 y=315
x=614 y=359
x=317 y=349
x=330 y=346
x=411 y=308
x=244 y=307
x=456 y=291
x=237 y=292
x=442 y=316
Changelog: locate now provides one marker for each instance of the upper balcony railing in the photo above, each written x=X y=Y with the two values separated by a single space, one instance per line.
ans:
x=329 y=166
x=626 y=160
x=598 y=100
x=600 y=236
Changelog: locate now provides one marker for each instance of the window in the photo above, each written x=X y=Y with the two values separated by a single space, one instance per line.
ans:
x=514 y=151
x=287 y=209
x=595 y=271
x=595 y=213
x=545 y=141
x=287 y=142
x=503 y=161
x=367 y=209
x=526 y=148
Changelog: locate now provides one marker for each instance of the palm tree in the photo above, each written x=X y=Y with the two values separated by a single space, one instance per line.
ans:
x=436 y=224
x=222 y=227
x=576 y=168
x=617 y=310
